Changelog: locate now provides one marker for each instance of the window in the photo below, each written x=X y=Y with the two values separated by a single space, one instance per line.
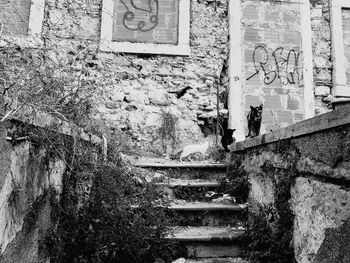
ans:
x=153 y=26
x=340 y=24
x=21 y=21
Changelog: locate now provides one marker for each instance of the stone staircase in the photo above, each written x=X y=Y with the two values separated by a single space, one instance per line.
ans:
x=208 y=228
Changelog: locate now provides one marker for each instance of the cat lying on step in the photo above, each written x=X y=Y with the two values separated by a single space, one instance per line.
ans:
x=191 y=149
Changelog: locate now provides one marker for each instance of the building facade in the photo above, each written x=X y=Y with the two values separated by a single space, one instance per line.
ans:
x=144 y=59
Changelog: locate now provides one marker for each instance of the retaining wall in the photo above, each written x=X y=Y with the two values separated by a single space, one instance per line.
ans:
x=299 y=184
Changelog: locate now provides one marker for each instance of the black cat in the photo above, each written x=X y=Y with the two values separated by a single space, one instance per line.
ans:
x=227 y=137
x=254 y=121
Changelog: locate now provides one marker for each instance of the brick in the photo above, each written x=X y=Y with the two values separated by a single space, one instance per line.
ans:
x=272 y=36
x=273 y=102
x=248 y=55
x=298 y=116
x=166 y=36
x=120 y=33
x=250 y=12
x=272 y=16
x=172 y=21
x=145 y=36
x=292 y=38
x=292 y=103
x=251 y=34
x=284 y=117
x=290 y=18
x=251 y=100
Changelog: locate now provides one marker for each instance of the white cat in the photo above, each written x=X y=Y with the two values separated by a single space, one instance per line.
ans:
x=194 y=148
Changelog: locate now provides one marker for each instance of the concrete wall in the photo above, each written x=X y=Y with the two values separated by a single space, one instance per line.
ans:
x=301 y=174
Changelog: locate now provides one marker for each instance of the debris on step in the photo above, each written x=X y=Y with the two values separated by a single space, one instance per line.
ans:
x=211 y=194
x=170 y=182
x=225 y=199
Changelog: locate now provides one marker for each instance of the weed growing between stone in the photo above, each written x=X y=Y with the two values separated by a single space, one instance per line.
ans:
x=168 y=130
x=237 y=184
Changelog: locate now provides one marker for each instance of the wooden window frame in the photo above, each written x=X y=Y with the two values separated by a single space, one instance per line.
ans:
x=182 y=48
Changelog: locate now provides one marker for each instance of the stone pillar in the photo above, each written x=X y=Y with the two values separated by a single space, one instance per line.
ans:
x=235 y=97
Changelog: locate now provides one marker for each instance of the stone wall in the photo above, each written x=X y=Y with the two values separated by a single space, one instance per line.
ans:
x=25 y=177
x=299 y=185
x=133 y=91
x=321 y=47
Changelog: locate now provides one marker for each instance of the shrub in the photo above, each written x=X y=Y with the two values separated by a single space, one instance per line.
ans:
x=108 y=228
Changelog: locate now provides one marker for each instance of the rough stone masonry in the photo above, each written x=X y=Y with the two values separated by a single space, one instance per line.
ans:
x=132 y=90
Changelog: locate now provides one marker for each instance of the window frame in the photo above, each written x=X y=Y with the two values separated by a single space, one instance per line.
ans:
x=340 y=88
x=35 y=25
x=182 y=48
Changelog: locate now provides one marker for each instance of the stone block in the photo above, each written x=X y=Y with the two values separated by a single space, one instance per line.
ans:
x=323 y=91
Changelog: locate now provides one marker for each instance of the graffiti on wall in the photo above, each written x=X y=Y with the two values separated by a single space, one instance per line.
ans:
x=140 y=17
x=283 y=65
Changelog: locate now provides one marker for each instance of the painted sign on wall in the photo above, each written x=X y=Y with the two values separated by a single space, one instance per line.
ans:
x=146 y=21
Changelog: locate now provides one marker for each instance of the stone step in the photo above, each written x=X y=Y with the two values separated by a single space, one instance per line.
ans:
x=205 y=234
x=206 y=206
x=208 y=214
x=180 y=165
x=189 y=170
x=215 y=260
x=195 y=183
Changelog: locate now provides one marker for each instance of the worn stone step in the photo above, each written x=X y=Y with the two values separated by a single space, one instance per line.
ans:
x=206 y=206
x=195 y=183
x=189 y=170
x=216 y=260
x=176 y=164
x=205 y=234
x=208 y=214
x=192 y=189
x=212 y=250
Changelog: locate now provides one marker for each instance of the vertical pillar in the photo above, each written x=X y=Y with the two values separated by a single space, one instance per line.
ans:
x=235 y=97
x=306 y=38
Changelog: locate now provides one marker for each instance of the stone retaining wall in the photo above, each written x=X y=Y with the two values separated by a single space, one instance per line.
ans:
x=304 y=175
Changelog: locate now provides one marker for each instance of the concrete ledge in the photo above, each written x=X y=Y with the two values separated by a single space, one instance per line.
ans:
x=322 y=122
x=45 y=120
